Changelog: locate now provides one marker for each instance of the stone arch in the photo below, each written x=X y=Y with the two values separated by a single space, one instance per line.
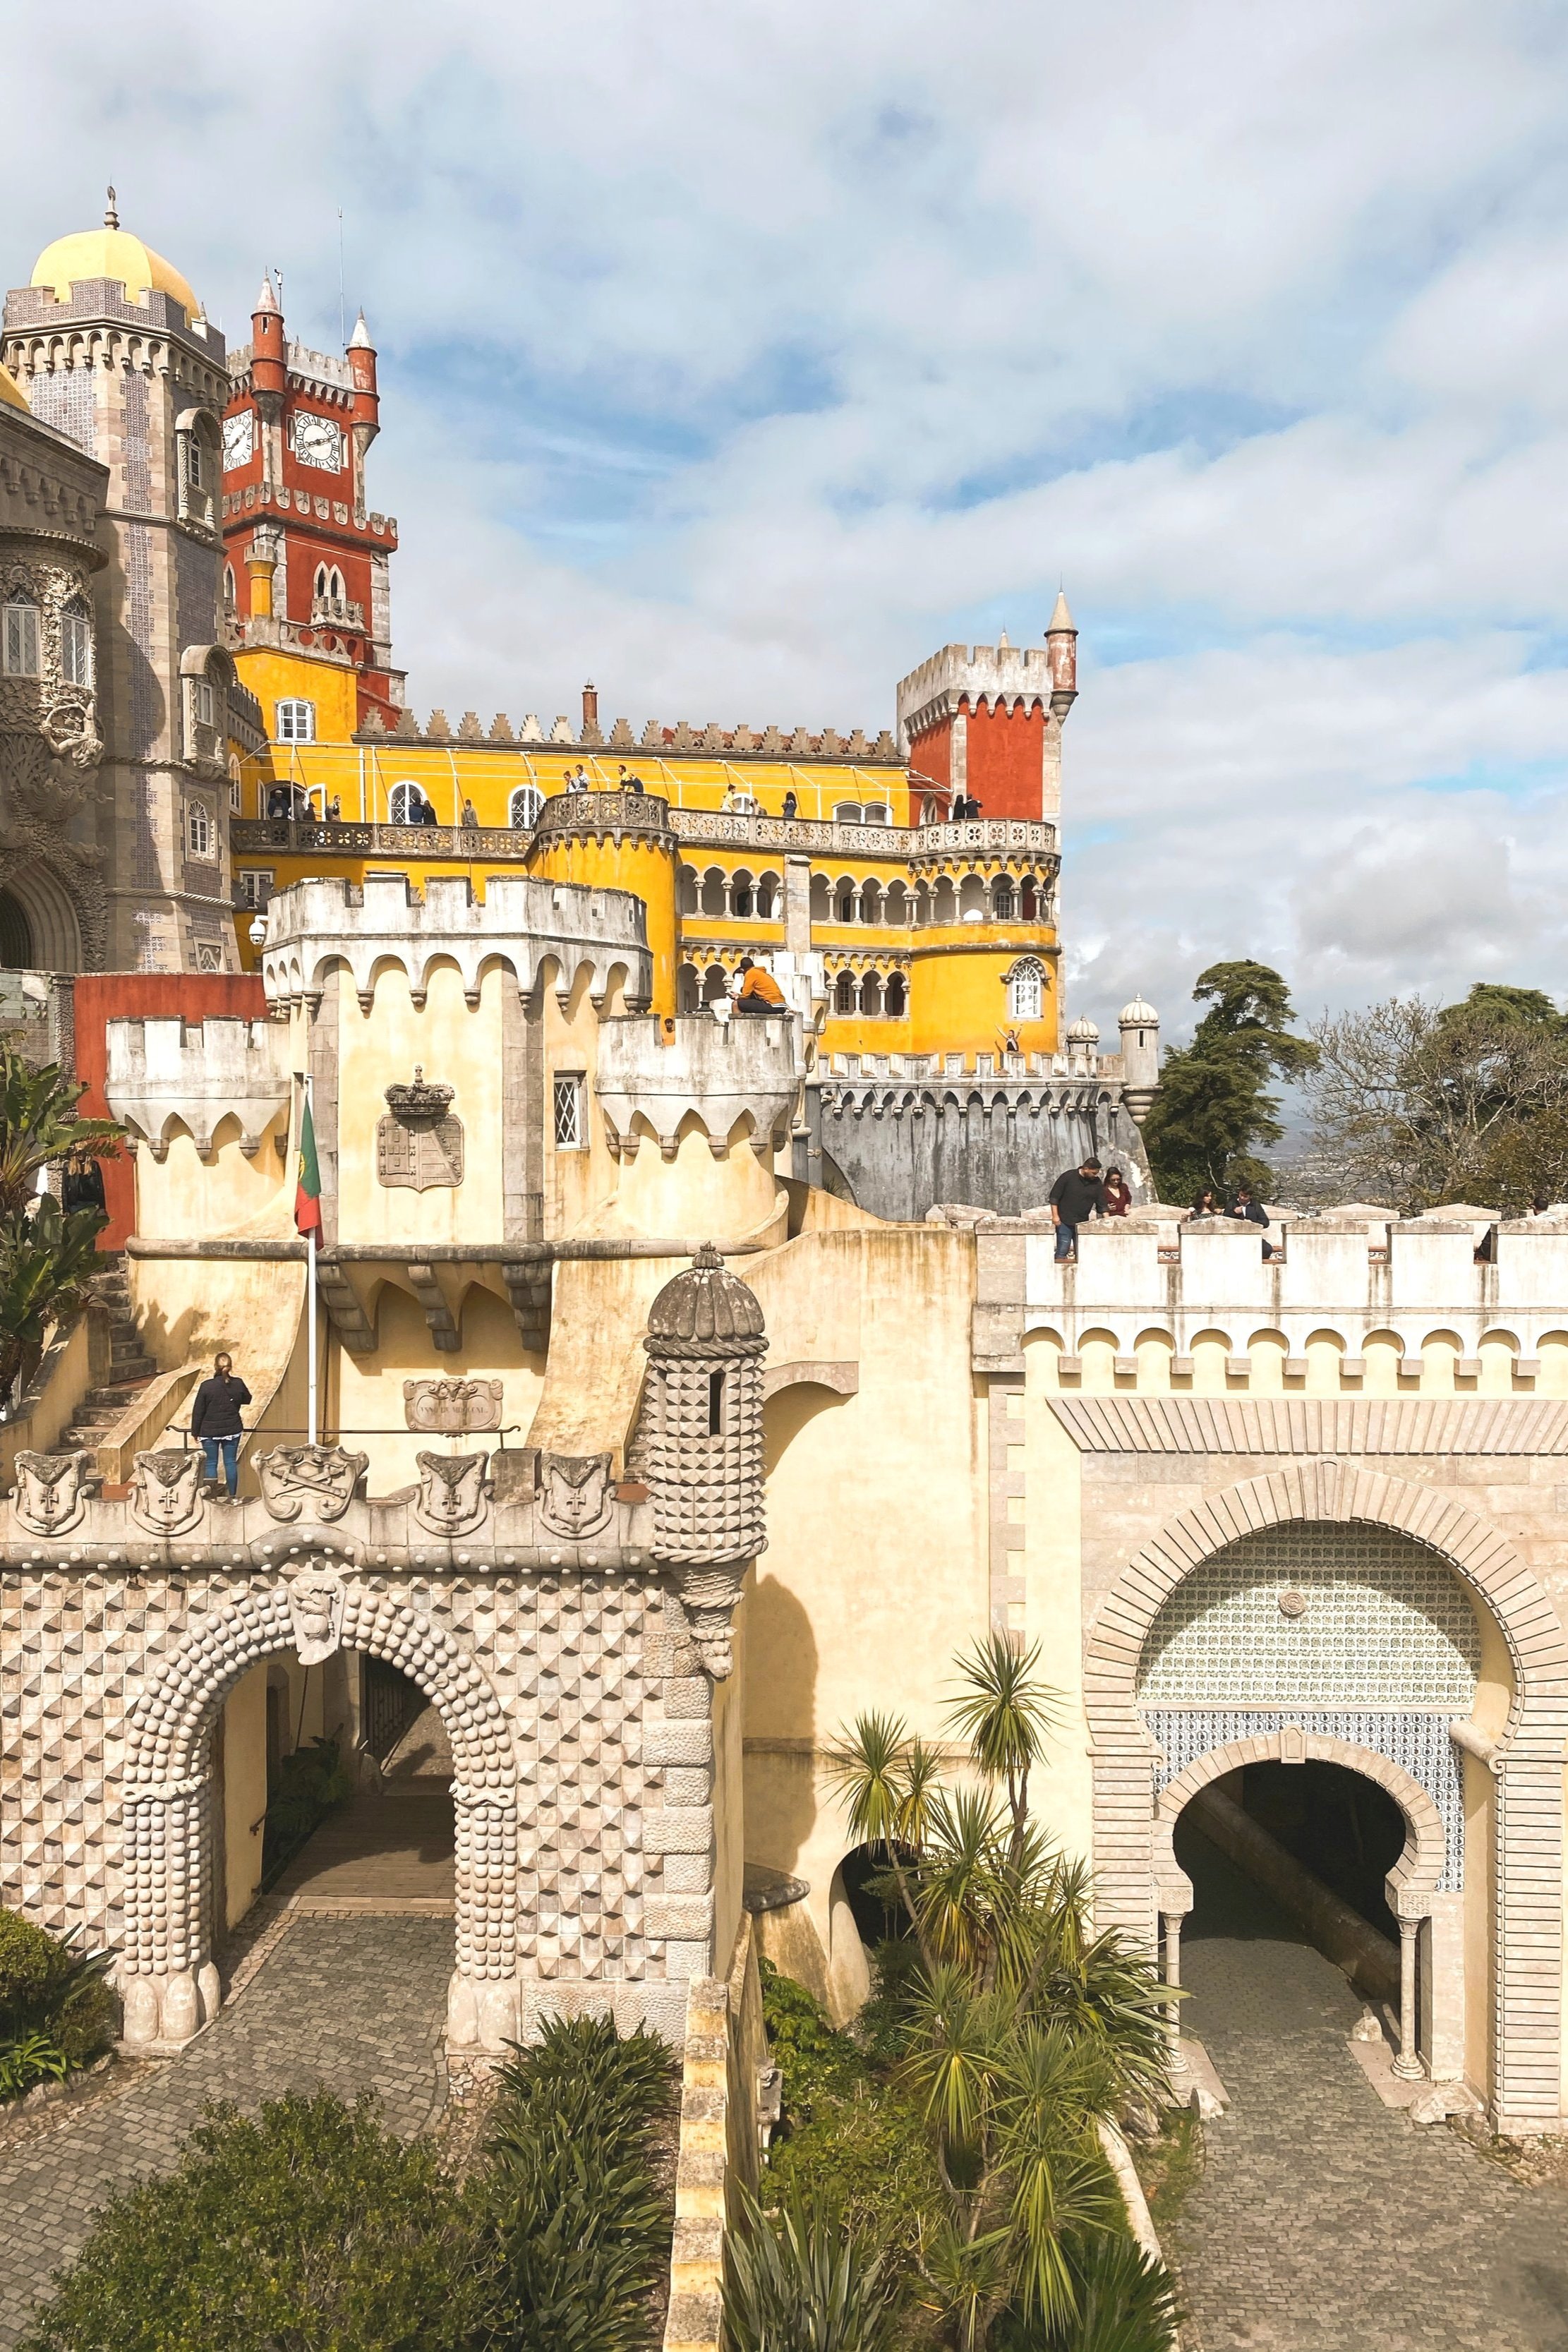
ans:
x=1419 y=1867
x=169 y=1981
x=1527 y=1760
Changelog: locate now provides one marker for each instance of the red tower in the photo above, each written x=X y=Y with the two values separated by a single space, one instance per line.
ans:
x=308 y=561
x=984 y=722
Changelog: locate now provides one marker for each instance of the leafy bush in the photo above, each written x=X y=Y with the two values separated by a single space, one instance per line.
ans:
x=311 y=1783
x=798 y=2281
x=56 y=2010
x=577 y=2202
x=1124 y=2300
x=310 y=2228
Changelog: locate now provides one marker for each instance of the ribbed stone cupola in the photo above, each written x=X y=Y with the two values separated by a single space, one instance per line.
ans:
x=702 y=1442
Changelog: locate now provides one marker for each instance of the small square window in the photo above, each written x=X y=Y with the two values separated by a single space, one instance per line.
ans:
x=255 y=885
x=202 y=701
x=199 y=830
x=295 y=722
x=569 y=1135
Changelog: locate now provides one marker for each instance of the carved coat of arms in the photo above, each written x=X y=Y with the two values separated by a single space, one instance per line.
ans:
x=319 y=1478
x=165 y=1491
x=575 y=1492
x=454 y=1493
x=452 y=1407
x=51 y=1490
x=419 y=1144
x=316 y=1613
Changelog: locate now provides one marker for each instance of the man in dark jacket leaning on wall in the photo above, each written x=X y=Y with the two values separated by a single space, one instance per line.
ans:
x=214 y=1418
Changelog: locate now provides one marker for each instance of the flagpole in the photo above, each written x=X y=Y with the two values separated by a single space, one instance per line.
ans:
x=310 y=1284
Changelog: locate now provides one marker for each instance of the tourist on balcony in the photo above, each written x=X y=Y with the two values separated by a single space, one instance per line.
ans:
x=1118 y=1199
x=1206 y=1203
x=790 y=806
x=215 y=1423
x=470 y=817
x=577 y=779
x=1077 y=1195
x=1246 y=1205
x=758 y=991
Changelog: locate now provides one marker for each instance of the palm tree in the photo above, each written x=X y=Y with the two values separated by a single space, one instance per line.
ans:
x=47 y=1258
x=38 y=1124
x=1024 y=2028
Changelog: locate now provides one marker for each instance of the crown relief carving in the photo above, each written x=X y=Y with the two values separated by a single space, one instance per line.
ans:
x=421 y=1104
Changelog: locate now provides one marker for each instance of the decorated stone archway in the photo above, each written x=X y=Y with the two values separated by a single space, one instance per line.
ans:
x=168 y=1978
x=1527 y=1760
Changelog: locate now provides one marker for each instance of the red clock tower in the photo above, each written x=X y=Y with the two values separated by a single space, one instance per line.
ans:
x=307 y=591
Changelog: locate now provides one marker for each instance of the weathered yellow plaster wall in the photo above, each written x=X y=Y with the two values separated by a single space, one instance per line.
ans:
x=185 y=1195
x=243 y=1790
x=458 y=1046
x=1052 y=1605
x=368 y=1404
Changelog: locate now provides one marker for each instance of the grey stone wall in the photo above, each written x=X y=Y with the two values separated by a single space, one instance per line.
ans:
x=897 y=1146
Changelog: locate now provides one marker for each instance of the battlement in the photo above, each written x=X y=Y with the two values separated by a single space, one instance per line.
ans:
x=33 y=309
x=167 y=1074
x=522 y=923
x=657 y=739
x=1358 y=1302
x=991 y=677
x=738 y=1080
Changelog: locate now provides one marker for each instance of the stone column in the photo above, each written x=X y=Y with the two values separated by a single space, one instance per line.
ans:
x=482 y=2003
x=1407 y=2065
x=1172 y=1924
x=168 y=1982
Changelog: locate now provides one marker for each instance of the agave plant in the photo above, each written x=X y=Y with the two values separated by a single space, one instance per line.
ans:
x=798 y=2281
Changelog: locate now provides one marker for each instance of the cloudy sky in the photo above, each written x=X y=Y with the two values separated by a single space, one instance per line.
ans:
x=740 y=355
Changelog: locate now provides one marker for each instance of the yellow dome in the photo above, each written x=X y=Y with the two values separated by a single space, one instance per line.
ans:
x=113 y=253
x=11 y=393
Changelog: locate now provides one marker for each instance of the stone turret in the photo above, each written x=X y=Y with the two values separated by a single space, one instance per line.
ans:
x=1140 y=1026
x=702 y=1420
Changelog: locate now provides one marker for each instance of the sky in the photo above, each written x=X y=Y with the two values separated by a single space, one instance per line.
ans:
x=738 y=357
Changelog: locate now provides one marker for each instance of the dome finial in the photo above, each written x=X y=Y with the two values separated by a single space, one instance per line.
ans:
x=111 y=212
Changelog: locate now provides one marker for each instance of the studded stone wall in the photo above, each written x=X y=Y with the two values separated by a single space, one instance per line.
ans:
x=570 y=1701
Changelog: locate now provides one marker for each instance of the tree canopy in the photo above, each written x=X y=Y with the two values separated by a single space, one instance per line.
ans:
x=1214 y=1108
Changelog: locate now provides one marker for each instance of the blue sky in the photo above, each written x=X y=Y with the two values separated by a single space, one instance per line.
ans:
x=739 y=356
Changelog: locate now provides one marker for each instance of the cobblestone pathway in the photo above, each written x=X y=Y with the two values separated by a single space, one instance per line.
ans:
x=351 y=2003
x=1325 y=2221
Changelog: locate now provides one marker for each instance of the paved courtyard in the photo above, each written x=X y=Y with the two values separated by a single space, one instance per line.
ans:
x=353 y=2003
x=1325 y=2221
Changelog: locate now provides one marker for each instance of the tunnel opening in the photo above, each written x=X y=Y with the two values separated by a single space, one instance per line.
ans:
x=1335 y=1822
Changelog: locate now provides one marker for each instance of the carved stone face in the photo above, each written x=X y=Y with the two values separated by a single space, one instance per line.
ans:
x=316 y=1613
x=574 y=1498
x=50 y=1497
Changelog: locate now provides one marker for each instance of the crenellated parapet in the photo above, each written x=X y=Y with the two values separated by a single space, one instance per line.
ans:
x=165 y=1074
x=744 y=1073
x=521 y=923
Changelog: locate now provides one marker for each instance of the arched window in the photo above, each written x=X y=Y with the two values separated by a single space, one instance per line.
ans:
x=409 y=805
x=229 y=587
x=1027 y=990
x=522 y=809
x=1031 y=901
x=20 y=647
x=199 y=830
x=75 y=645
x=235 y=803
x=898 y=1003
x=848 y=903
x=767 y=896
x=1003 y=904
x=741 y=901
x=295 y=722
x=843 y=999
x=871 y=995
x=318 y=586
x=876 y=813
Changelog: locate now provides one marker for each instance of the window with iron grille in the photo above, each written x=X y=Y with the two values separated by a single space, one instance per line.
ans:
x=569 y=1135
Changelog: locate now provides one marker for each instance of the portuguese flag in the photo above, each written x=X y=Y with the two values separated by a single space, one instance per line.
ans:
x=308 y=1190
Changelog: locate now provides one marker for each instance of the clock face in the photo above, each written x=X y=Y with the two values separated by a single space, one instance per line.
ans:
x=317 y=442
x=239 y=438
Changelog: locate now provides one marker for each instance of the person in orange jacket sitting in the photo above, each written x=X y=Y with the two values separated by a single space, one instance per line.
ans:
x=759 y=991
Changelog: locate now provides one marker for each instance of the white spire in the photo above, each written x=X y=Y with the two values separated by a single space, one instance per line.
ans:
x=1060 y=617
x=267 y=300
x=360 y=339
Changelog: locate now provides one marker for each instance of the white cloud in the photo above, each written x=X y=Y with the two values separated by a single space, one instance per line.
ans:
x=739 y=357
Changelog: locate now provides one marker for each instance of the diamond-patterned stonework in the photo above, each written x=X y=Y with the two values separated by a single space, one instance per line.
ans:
x=1385 y=1625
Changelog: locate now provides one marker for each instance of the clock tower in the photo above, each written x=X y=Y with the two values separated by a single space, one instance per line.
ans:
x=306 y=587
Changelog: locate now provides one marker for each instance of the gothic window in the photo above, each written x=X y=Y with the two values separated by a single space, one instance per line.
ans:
x=844 y=999
x=21 y=647
x=847 y=904
x=522 y=809
x=296 y=722
x=75 y=645
x=568 y=1100
x=229 y=587
x=871 y=995
x=199 y=840
x=1027 y=990
x=898 y=996
x=767 y=896
x=1004 y=903
x=198 y=465
x=235 y=804
x=409 y=806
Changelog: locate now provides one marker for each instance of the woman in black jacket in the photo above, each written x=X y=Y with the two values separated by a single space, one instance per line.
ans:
x=214 y=1418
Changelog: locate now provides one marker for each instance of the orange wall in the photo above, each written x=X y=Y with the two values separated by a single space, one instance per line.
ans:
x=1004 y=766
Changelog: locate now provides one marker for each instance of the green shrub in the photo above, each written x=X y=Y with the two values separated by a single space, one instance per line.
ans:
x=798 y=2281
x=579 y=2207
x=1124 y=2300
x=56 y=2010
x=309 y=2229
x=312 y=1782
